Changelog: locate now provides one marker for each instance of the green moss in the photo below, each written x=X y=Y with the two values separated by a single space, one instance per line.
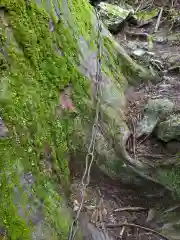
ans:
x=123 y=68
x=82 y=17
x=171 y=177
x=34 y=73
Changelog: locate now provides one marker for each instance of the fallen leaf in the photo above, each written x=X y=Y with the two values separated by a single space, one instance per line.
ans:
x=66 y=99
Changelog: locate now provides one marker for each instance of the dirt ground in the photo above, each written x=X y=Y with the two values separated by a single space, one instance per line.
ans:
x=104 y=196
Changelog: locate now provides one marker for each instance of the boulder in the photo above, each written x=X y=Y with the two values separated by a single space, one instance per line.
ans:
x=154 y=110
x=170 y=129
x=48 y=84
x=48 y=77
x=114 y=15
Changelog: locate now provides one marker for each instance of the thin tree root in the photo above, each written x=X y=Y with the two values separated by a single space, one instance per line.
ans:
x=137 y=226
x=130 y=209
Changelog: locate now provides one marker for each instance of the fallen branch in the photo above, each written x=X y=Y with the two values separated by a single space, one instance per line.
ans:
x=151 y=155
x=145 y=138
x=158 y=20
x=139 y=6
x=130 y=209
x=137 y=226
x=134 y=136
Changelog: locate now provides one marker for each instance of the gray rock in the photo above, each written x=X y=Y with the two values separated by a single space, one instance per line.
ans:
x=155 y=110
x=113 y=15
x=146 y=125
x=159 y=107
x=169 y=129
x=173 y=60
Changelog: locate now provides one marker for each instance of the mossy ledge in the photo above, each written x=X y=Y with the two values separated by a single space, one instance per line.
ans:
x=32 y=74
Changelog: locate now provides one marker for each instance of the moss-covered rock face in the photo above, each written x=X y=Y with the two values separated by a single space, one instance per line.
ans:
x=38 y=54
x=44 y=47
x=32 y=74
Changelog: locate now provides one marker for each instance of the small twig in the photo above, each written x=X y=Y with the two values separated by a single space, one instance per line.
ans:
x=122 y=231
x=117 y=199
x=140 y=142
x=130 y=209
x=137 y=226
x=158 y=20
x=151 y=155
x=134 y=137
x=144 y=5
x=137 y=9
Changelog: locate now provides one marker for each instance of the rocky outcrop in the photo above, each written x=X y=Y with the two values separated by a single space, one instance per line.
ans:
x=44 y=48
x=48 y=76
x=114 y=15
x=170 y=129
x=154 y=111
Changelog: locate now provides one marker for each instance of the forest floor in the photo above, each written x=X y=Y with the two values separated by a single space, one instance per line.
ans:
x=109 y=203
